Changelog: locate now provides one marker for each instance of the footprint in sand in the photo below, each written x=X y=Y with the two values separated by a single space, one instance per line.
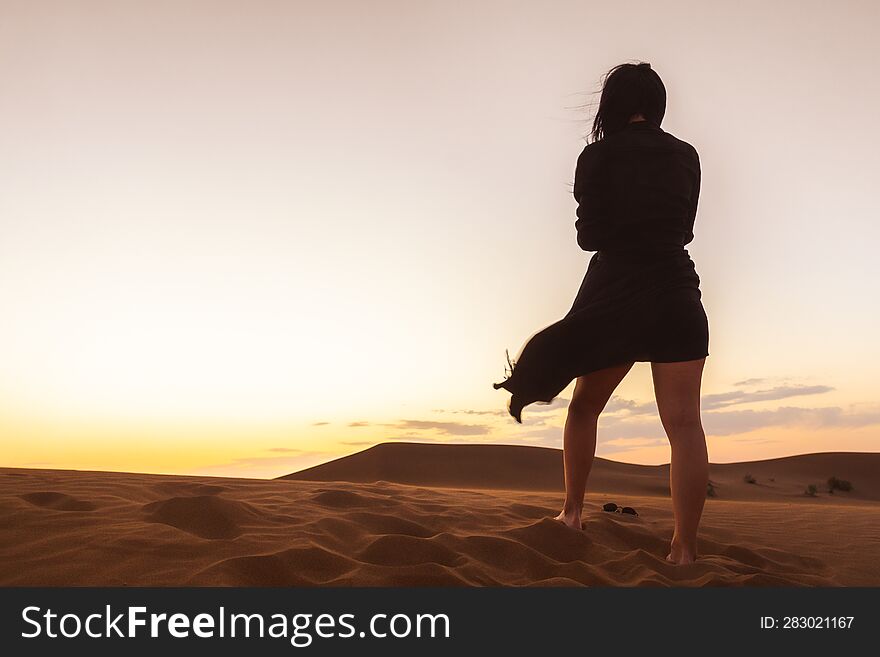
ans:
x=57 y=501
x=206 y=516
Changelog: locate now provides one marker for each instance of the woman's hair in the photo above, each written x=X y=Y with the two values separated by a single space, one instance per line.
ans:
x=629 y=89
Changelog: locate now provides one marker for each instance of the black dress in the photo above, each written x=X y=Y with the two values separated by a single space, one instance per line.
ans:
x=640 y=299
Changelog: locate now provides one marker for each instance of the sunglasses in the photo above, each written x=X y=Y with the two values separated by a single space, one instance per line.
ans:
x=611 y=507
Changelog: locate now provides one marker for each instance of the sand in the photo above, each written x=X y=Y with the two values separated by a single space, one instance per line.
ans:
x=437 y=515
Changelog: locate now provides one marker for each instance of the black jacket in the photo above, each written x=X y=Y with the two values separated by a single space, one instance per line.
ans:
x=637 y=191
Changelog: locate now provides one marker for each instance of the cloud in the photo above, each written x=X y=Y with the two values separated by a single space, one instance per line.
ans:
x=717 y=400
x=318 y=424
x=626 y=427
x=634 y=443
x=749 y=382
x=617 y=404
x=757 y=440
x=629 y=423
x=537 y=407
x=623 y=445
x=729 y=423
x=543 y=437
x=631 y=407
x=468 y=411
x=448 y=428
x=733 y=422
x=724 y=399
x=438 y=439
x=559 y=402
x=286 y=450
x=266 y=466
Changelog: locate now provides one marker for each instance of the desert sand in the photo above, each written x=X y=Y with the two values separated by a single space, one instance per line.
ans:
x=438 y=515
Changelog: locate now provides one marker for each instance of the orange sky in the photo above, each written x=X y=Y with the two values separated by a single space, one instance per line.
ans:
x=245 y=237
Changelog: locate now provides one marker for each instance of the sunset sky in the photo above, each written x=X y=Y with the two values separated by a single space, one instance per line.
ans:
x=244 y=237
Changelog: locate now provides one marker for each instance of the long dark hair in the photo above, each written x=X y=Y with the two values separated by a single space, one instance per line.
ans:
x=629 y=89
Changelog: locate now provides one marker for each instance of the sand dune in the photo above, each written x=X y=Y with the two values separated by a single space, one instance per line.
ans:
x=515 y=467
x=436 y=515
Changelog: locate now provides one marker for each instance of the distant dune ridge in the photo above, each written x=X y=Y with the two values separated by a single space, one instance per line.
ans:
x=411 y=514
x=516 y=467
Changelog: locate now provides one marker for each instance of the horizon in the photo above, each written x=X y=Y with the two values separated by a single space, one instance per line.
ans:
x=433 y=444
x=300 y=232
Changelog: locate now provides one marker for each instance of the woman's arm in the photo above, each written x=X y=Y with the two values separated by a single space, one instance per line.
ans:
x=695 y=197
x=591 y=228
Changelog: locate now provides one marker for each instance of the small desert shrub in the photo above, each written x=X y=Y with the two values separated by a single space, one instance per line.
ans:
x=811 y=490
x=773 y=479
x=749 y=479
x=710 y=490
x=838 y=484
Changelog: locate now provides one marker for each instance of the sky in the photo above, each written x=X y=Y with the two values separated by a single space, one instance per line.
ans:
x=241 y=238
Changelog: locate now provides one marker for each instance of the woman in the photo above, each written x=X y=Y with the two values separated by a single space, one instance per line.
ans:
x=637 y=187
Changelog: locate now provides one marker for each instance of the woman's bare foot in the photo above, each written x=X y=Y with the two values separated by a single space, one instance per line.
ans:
x=571 y=519
x=681 y=555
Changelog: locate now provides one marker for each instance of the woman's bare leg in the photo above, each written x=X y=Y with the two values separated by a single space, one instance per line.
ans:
x=591 y=393
x=677 y=389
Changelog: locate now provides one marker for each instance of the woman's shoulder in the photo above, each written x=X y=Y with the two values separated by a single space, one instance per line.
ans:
x=592 y=150
x=685 y=146
x=626 y=142
x=590 y=159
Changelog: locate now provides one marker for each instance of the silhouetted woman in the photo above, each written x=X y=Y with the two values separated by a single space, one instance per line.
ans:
x=637 y=188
